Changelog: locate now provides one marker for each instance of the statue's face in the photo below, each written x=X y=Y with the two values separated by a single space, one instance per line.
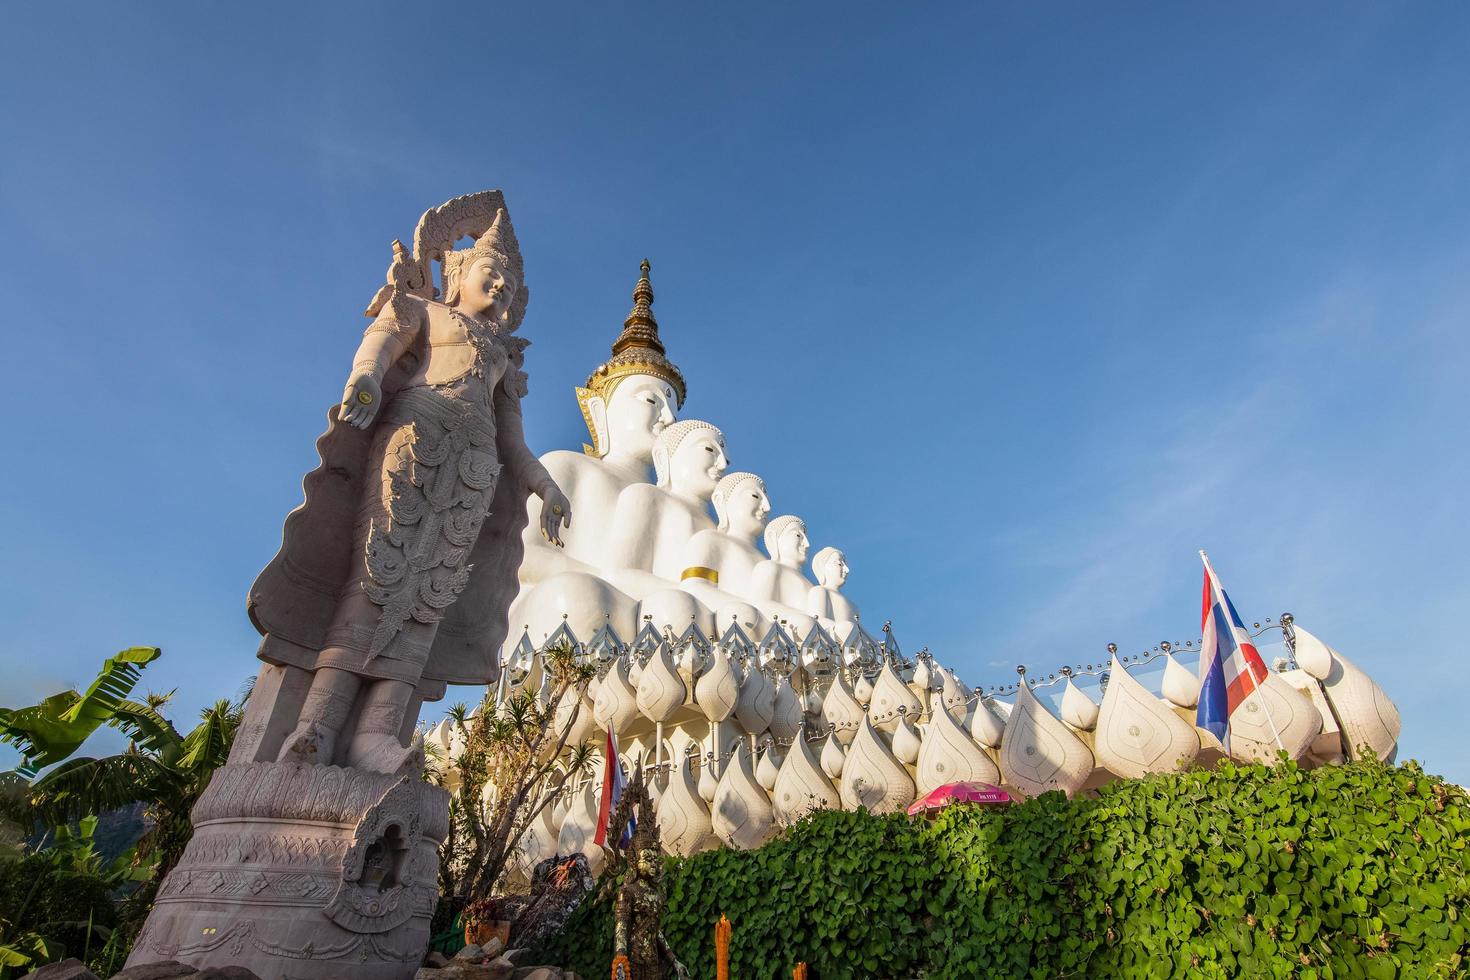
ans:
x=698 y=463
x=487 y=289
x=641 y=407
x=748 y=509
x=835 y=573
x=793 y=545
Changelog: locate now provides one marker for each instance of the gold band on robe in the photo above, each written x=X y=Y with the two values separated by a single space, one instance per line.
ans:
x=700 y=571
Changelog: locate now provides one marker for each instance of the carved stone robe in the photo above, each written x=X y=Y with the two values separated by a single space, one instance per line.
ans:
x=323 y=554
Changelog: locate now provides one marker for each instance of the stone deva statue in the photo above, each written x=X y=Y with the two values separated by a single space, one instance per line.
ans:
x=396 y=573
x=315 y=848
x=627 y=402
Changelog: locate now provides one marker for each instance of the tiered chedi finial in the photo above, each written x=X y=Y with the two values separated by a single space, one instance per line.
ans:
x=638 y=350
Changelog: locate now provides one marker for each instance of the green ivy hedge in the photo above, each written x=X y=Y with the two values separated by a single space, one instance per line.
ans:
x=1346 y=871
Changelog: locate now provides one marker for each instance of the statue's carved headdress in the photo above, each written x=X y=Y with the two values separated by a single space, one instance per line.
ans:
x=778 y=527
x=638 y=350
x=479 y=216
x=729 y=485
x=668 y=442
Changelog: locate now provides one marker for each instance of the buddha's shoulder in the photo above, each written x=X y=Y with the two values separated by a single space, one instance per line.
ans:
x=566 y=461
x=707 y=541
x=641 y=493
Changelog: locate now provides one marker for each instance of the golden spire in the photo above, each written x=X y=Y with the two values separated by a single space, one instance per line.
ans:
x=638 y=350
x=640 y=329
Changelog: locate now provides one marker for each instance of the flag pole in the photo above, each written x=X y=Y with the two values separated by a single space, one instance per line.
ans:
x=1255 y=685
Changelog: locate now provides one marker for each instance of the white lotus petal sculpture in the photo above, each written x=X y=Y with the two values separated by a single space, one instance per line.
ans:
x=1139 y=734
x=1039 y=753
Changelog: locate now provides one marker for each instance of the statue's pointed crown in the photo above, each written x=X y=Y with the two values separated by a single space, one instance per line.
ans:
x=638 y=349
x=498 y=242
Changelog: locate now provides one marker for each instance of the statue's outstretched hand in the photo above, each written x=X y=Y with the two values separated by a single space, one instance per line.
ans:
x=556 y=512
x=361 y=400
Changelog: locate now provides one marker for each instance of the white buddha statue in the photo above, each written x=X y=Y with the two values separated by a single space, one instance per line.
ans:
x=777 y=586
x=718 y=563
x=643 y=547
x=825 y=599
x=627 y=402
x=652 y=524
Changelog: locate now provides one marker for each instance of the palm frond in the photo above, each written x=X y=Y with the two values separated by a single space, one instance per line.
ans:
x=206 y=747
x=158 y=701
x=116 y=680
x=82 y=786
x=48 y=732
x=145 y=727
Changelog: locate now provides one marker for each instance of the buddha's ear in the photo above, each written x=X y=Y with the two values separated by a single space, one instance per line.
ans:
x=597 y=410
x=722 y=519
x=594 y=414
x=661 y=460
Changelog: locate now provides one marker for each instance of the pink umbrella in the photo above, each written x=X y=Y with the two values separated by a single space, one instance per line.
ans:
x=960 y=793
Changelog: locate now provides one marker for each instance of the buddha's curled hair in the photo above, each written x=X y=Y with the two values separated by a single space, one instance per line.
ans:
x=777 y=527
x=668 y=442
x=820 y=559
x=725 y=491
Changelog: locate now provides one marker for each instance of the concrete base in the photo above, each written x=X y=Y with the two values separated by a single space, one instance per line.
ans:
x=303 y=872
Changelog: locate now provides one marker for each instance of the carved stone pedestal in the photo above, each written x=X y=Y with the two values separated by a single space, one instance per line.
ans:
x=305 y=872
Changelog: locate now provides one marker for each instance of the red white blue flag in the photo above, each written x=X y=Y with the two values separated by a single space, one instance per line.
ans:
x=1229 y=666
x=613 y=783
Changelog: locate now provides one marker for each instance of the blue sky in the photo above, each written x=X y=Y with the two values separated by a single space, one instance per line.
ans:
x=1020 y=305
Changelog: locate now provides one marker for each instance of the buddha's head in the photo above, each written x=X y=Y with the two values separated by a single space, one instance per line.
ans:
x=627 y=415
x=786 y=540
x=830 y=566
x=741 y=504
x=636 y=393
x=486 y=280
x=689 y=458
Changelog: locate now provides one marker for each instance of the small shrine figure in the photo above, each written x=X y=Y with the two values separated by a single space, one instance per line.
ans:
x=638 y=938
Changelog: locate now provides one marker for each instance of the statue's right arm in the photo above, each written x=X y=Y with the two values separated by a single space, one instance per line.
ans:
x=763 y=581
x=382 y=345
x=701 y=550
x=629 y=530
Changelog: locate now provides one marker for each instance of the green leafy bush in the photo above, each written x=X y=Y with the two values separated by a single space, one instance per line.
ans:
x=1347 y=871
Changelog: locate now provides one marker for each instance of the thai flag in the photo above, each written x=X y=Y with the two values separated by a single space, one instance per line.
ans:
x=613 y=783
x=1229 y=666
